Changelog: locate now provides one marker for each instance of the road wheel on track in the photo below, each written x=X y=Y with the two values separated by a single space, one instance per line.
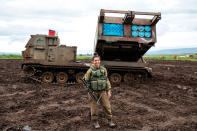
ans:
x=61 y=77
x=142 y=76
x=47 y=77
x=128 y=78
x=28 y=70
x=79 y=76
x=115 y=78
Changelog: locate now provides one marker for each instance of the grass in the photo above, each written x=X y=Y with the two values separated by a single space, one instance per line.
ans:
x=148 y=57
x=10 y=57
x=84 y=57
x=171 y=57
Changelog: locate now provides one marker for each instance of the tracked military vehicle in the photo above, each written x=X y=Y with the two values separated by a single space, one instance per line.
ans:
x=120 y=42
x=46 y=60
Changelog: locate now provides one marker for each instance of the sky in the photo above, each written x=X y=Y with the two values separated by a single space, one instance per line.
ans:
x=76 y=21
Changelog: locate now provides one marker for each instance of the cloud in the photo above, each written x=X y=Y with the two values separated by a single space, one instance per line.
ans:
x=169 y=40
x=76 y=21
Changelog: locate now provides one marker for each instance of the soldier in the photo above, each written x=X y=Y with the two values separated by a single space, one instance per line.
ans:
x=96 y=76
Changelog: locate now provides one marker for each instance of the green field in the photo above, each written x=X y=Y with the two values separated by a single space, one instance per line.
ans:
x=171 y=57
x=10 y=57
x=147 y=57
x=84 y=57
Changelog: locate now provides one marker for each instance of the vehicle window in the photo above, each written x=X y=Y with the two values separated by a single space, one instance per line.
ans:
x=51 y=41
x=39 y=41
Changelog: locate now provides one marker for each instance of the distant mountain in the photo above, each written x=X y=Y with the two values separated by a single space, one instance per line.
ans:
x=10 y=53
x=180 y=51
x=84 y=52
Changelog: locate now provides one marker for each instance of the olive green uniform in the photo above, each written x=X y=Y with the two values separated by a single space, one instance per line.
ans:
x=97 y=78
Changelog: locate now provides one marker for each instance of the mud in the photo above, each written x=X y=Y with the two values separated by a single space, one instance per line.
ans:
x=168 y=101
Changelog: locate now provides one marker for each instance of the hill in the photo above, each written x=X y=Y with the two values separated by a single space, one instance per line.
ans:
x=173 y=51
x=10 y=53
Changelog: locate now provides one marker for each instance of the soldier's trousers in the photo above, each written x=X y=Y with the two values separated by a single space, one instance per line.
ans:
x=104 y=102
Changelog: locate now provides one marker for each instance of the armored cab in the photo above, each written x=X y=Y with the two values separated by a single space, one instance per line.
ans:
x=46 y=60
x=46 y=50
x=122 y=41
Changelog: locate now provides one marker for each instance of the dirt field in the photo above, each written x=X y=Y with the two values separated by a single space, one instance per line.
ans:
x=168 y=101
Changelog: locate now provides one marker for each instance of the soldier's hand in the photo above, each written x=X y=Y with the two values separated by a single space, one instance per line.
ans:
x=109 y=94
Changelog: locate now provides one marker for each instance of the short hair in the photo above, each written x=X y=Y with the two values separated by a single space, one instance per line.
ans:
x=95 y=56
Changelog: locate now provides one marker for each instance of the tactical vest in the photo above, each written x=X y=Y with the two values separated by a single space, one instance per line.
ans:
x=98 y=80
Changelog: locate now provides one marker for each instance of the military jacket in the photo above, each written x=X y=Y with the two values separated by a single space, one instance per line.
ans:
x=97 y=78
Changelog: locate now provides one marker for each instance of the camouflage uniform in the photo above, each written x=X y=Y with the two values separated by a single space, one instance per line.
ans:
x=100 y=93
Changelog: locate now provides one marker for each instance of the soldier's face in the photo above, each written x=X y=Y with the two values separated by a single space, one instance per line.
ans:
x=96 y=62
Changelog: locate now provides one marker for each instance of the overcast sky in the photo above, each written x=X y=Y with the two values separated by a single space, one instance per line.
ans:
x=76 y=20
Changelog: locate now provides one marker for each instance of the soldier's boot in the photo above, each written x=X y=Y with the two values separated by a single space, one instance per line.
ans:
x=111 y=123
x=96 y=124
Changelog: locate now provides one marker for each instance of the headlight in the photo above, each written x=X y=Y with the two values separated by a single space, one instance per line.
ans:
x=134 y=27
x=147 y=34
x=141 y=28
x=147 y=28
x=134 y=33
x=141 y=34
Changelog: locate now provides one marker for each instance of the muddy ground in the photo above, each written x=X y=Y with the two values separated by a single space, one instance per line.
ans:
x=168 y=101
